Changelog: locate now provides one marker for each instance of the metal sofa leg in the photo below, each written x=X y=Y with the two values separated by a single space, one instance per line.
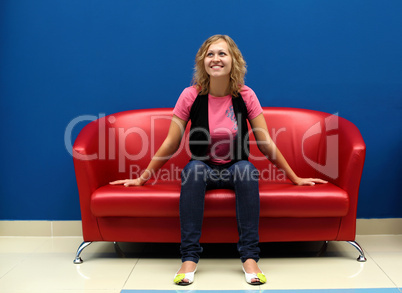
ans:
x=361 y=257
x=323 y=248
x=78 y=259
x=118 y=250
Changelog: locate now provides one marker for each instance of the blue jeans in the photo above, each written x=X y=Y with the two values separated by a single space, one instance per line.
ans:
x=197 y=177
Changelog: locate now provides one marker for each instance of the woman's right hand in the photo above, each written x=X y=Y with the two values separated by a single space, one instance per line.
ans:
x=129 y=182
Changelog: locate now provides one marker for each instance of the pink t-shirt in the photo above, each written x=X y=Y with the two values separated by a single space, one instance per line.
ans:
x=221 y=118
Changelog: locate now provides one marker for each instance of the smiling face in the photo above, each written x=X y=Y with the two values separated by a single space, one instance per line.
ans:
x=218 y=61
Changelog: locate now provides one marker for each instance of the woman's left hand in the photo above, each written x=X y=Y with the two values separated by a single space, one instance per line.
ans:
x=309 y=181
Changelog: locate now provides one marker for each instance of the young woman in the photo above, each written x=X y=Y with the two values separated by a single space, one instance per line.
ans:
x=219 y=105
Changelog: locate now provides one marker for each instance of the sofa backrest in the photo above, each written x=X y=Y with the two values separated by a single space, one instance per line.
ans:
x=129 y=140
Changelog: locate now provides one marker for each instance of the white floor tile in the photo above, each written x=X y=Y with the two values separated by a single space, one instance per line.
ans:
x=57 y=272
x=45 y=264
x=323 y=273
x=381 y=243
x=21 y=244
x=391 y=264
x=13 y=250
x=386 y=252
x=9 y=261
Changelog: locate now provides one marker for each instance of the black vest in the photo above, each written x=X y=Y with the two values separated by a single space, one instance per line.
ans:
x=199 y=131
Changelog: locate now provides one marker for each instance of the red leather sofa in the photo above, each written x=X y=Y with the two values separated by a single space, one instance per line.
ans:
x=315 y=144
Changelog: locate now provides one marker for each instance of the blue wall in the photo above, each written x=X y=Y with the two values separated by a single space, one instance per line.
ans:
x=63 y=59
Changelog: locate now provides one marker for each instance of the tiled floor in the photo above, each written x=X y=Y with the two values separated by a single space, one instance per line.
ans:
x=46 y=265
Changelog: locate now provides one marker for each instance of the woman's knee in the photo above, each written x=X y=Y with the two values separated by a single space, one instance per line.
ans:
x=194 y=171
x=196 y=167
x=245 y=170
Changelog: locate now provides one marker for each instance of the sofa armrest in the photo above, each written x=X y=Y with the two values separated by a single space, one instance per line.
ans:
x=92 y=171
x=352 y=151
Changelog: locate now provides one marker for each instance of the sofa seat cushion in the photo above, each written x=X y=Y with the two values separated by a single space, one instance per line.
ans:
x=277 y=200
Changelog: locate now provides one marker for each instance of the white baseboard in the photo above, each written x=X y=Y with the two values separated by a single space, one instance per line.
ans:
x=379 y=226
x=40 y=228
x=73 y=228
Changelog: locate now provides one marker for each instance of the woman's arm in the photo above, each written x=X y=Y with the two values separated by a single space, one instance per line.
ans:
x=271 y=151
x=164 y=153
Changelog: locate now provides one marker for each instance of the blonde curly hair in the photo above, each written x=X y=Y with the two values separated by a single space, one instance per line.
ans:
x=201 y=78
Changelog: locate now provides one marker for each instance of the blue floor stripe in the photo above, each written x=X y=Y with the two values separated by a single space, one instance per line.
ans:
x=360 y=290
